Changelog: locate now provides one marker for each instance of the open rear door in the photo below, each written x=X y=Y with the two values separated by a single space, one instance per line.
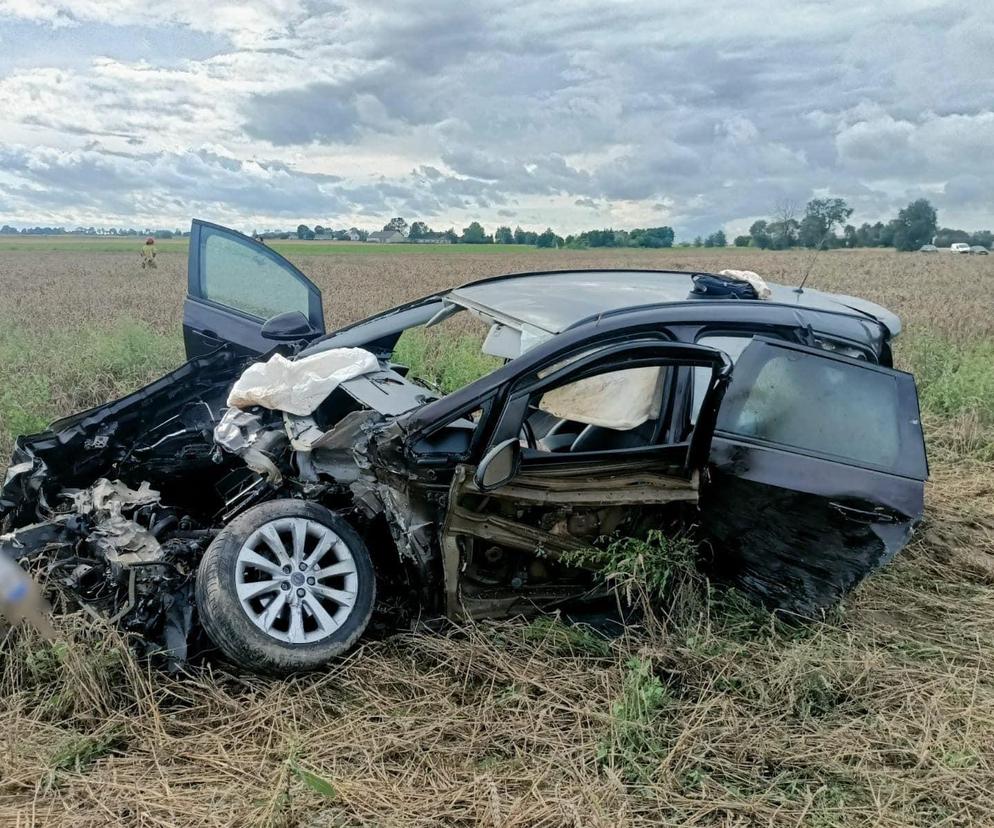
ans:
x=234 y=285
x=816 y=473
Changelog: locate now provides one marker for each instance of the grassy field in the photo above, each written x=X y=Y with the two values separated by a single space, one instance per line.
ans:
x=713 y=714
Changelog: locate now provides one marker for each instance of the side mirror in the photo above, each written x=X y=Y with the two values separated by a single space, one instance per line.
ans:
x=499 y=465
x=288 y=327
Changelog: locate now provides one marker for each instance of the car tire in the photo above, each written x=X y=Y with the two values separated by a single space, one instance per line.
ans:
x=285 y=610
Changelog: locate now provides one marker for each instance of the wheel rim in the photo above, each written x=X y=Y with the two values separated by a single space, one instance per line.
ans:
x=296 y=580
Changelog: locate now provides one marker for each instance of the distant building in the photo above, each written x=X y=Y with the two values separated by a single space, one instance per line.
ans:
x=440 y=239
x=386 y=237
x=354 y=234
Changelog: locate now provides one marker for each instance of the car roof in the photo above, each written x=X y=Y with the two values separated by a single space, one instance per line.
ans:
x=553 y=301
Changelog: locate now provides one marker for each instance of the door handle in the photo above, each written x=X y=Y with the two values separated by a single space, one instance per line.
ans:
x=207 y=332
x=873 y=515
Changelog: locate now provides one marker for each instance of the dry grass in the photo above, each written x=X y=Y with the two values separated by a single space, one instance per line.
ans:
x=882 y=715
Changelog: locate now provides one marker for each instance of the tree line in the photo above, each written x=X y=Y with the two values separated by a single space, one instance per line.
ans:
x=8 y=230
x=914 y=226
x=475 y=233
x=823 y=224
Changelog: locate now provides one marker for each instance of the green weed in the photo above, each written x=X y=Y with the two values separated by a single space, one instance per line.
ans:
x=446 y=361
x=81 y=750
x=567 y=639
x=953 y=379
x=635 y=743
x=657 y=563
x=43 y=378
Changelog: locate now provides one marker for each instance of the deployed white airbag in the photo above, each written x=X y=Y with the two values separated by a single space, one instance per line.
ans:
x=299 y=386
x=620 y=400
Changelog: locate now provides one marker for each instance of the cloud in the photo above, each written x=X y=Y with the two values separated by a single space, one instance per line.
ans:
x=701 y=116
x=319 y=112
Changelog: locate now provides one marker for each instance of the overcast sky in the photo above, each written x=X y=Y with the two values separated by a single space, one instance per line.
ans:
x=694 y=114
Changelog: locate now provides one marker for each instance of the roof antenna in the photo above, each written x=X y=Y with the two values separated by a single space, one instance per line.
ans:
x=811 y=264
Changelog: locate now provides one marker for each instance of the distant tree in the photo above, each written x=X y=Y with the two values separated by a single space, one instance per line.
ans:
x=163 y=234
x=319 y=230
x=304 y=232
x=784 y=227
x=698 y=241
x=849 y=236
x=742 y=241
x=760 y=235
x=503 y=235
x=419 y=230
x=398 y=224
x=887 y=233
x=651 y=237
x=8 y=230
x=783 y=234
x=548 y=239
x=821 y=215
x=475 y=234
x=716 y=239
x=985 y=238
x=946 y=236
x=601 y=238
x=915 y=225
x=451 y=235
x=868 y=235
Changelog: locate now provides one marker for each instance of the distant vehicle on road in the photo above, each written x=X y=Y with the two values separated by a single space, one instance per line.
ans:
x=928 y=248
x=959 y=247
x=979 y=250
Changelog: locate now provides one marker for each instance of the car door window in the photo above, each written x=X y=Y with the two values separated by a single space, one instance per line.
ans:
x=236 y=273
x=834 y=407
x=618 y=400
x=611 y=410
x=731 y=345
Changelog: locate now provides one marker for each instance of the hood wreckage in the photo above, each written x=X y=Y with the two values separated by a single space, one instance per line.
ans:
x=265 y=496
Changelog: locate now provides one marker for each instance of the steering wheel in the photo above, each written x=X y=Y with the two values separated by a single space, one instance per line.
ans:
x=527 y=434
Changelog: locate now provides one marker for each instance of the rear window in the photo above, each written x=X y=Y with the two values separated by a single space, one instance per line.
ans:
x=826 y=406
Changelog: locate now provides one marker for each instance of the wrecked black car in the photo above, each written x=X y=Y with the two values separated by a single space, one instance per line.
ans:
x=282 y=482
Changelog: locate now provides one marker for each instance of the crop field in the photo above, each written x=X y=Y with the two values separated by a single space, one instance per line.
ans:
x=713 y=713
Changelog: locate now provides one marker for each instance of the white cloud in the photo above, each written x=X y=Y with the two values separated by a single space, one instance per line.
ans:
x=452 y=111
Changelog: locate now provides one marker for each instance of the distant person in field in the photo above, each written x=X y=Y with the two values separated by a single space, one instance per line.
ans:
x=148 y=254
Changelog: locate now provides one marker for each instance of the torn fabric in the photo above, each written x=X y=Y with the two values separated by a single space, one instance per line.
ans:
x=299 y=386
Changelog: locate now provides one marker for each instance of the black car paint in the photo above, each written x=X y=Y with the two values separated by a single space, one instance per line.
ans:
x=207 y=324
x=127 y=439
x=161 y=433
x=763 y=503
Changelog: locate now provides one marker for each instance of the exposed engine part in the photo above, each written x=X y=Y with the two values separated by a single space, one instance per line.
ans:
x=118 y=554
x=246 y=435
